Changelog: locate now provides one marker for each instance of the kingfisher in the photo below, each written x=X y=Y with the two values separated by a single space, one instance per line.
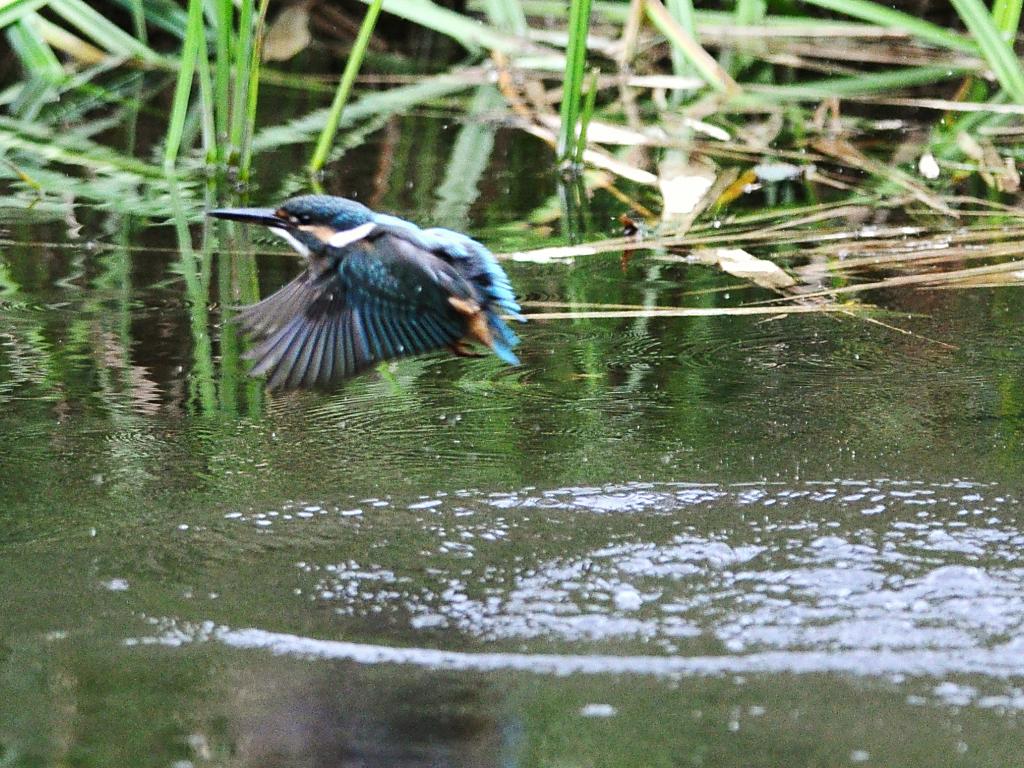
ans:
x=375 y=287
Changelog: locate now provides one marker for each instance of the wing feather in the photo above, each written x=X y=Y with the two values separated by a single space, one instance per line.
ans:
x=270 y=314
x=304 y=375
x=301 y=374
x=397 y=330
x=327 y=362
x=270 y=351
x=382 y=299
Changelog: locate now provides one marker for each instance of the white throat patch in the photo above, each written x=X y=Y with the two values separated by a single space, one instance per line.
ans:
x=291 y=240
x=349 y=236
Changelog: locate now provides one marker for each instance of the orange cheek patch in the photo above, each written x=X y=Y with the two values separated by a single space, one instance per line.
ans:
x=321 y=233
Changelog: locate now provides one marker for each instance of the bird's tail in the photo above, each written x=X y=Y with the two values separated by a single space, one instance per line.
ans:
x=504 y=338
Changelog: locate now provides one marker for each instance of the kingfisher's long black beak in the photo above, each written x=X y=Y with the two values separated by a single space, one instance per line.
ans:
x=264 y=216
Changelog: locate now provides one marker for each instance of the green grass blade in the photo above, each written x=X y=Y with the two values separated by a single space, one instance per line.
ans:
x=994 y=48
x=507 y=14
x=575 y=64
x=883 y=16
x=682 y=12
x=207 y=108
x=858 y=85
x=103 y=32
x=36 y=56
x=243 y=62
x=163 y=14
x=355 y=60
x=468 y=32
x=183 y=89
x=586 y=116
x=702 y=61
x=138 y=11
x=13 y=10
x=748 y=13
x=222 y=73
x=252 y=94
x=1006 y=15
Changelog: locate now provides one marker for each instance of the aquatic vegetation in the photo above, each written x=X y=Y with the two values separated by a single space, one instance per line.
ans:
x=571 y=136
x=722 y=140
x=355 y=59
x=758 y=52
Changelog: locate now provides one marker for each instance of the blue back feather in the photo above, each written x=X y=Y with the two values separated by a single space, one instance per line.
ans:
x=478 y=265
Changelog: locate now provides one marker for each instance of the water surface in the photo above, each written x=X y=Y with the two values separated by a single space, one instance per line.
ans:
x=722 y=541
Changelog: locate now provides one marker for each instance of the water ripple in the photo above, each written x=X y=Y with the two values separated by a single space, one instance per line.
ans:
x=843 y=566
x=999 y=663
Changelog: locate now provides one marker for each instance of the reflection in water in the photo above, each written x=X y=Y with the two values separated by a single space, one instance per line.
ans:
x=337 y=716
x=69 y=704
x=72 y=703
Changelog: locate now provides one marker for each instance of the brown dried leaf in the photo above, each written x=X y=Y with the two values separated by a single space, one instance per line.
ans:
x=739 y=263
x=288 y=35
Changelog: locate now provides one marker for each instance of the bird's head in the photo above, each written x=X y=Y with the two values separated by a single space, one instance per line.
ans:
x=311 y=223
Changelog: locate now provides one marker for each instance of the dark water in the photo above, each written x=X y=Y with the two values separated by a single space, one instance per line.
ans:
x=721 y=541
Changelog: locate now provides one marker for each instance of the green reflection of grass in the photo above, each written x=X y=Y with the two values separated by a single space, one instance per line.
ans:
x=84 y=702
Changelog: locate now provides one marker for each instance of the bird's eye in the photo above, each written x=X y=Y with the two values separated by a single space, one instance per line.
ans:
x=292 y=218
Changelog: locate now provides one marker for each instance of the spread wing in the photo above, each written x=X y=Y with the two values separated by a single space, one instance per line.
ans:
x=384 y=298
